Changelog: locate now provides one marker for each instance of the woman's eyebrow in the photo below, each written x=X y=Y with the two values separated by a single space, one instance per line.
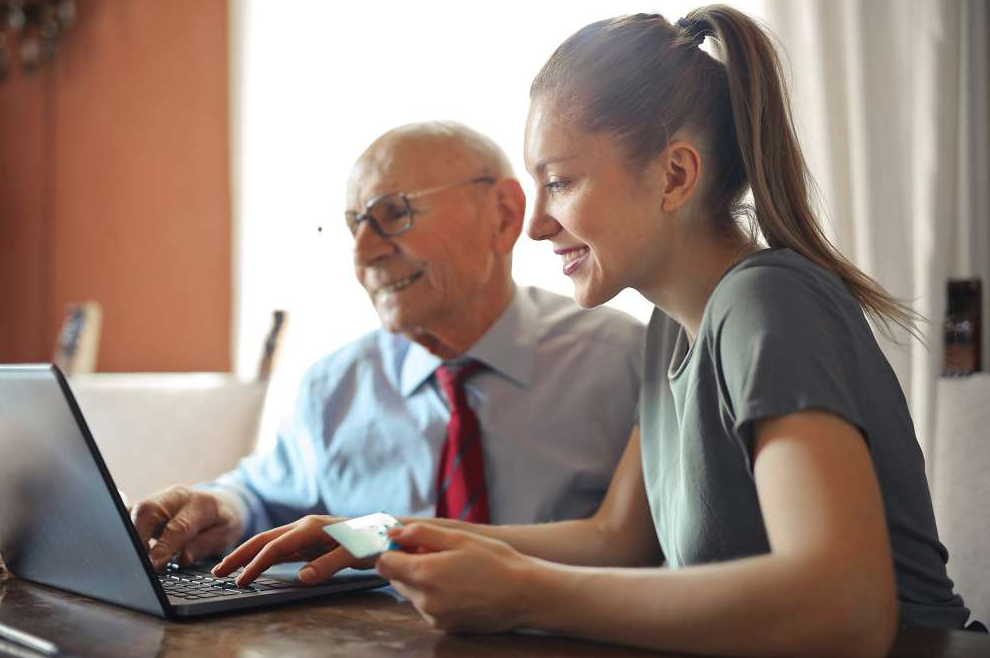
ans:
x=543 y=164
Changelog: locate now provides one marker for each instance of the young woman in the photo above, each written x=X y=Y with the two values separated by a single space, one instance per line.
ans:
x=775 y=468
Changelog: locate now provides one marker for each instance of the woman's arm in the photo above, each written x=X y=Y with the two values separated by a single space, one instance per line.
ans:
x=619 y=534
x=826 y=588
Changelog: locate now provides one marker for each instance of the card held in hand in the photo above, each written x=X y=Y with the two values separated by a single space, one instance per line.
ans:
x=364 y=536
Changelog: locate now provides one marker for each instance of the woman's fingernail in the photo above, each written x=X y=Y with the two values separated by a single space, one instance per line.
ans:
x=307 y=574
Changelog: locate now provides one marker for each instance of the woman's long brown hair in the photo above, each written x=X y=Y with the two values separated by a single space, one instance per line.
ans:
x=642 y=79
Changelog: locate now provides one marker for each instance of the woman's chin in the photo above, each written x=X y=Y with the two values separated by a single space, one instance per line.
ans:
x=590 y=296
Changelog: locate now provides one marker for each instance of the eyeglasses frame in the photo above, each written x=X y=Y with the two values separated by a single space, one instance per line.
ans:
x=406 y=197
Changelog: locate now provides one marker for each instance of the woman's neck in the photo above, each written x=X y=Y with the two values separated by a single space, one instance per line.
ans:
x=684 y=288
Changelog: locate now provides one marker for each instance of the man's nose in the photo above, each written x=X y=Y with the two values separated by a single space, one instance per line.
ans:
x=369 y=246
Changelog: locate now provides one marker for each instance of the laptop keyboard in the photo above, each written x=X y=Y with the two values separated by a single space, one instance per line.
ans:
x=195 y=585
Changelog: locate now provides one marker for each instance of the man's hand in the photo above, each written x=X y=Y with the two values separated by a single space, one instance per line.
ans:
x=187 y=522
x=302 y=540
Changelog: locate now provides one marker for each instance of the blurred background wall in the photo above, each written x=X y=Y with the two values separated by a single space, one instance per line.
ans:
x=114 y=186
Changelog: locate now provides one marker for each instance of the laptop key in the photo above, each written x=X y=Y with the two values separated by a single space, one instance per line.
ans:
x=196 y=585
x=271 y=582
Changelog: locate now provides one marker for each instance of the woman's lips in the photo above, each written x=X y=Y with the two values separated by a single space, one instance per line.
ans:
x=573 y=258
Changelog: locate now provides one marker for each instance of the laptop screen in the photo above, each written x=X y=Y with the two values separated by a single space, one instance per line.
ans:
x=61 y=520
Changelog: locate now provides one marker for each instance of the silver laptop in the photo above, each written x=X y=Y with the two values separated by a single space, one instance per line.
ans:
x=63 y=524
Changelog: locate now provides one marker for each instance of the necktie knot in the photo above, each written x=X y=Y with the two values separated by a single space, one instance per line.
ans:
x=452 y=376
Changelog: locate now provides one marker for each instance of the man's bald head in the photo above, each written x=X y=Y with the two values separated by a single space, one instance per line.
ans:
x=448 y=147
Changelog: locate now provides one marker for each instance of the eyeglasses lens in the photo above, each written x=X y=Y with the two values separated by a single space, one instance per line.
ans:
x=392 y=214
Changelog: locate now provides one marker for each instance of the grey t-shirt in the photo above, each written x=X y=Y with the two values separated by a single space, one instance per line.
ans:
x=779 y=335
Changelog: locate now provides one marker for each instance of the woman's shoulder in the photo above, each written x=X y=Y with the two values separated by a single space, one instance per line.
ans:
x=780 y=291
x=779 y=278
x=777 y=268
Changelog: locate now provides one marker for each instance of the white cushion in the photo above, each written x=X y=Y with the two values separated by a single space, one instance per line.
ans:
x=960 y=480
x=155 y=430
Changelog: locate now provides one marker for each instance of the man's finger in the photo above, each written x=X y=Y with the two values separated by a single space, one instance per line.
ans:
x=206 y=544
x=151 y=514
x=148 y=516
x=181 y=529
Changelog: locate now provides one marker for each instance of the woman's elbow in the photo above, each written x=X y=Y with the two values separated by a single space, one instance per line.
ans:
x=881 y=637
x=870 y=624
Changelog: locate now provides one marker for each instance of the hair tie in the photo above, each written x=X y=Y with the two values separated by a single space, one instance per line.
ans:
x=696 y=30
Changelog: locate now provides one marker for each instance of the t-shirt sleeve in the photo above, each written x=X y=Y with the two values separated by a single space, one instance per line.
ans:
x=783 y=345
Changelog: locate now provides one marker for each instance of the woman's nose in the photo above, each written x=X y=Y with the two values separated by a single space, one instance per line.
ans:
x=541 y=225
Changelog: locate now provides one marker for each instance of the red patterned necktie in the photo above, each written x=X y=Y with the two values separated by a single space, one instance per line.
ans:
x=461 y=490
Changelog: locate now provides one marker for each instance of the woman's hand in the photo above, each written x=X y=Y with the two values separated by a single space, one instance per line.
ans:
x=458 y=580
x=302 y=540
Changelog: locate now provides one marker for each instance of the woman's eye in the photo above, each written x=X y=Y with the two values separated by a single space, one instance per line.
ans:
x=556 y=185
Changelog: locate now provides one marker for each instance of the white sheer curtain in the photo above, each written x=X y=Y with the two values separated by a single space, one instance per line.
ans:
x=313 y=82
x=890 y=98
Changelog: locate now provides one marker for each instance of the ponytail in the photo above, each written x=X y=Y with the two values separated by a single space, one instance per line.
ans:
x=775 y=168
x=643 y=79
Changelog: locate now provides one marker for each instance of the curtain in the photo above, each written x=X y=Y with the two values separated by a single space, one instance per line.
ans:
x=890 y=98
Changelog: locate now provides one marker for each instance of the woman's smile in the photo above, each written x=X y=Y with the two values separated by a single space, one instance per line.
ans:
x=573 y=258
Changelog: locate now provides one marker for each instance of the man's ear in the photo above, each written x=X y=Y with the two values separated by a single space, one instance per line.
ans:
x=511 y=206
x=680 y=173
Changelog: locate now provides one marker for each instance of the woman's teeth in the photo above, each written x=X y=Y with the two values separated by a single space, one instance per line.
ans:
x=573 y=255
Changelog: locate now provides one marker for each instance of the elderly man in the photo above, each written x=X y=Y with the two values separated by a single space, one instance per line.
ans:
x=477 y=399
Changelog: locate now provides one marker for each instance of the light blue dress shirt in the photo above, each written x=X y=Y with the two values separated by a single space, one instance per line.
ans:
x=556 y=405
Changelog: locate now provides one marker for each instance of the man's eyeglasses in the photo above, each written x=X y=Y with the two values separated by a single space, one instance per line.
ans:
x=391 y=214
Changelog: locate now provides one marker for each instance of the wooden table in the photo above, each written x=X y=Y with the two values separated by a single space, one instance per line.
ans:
x=375 y=623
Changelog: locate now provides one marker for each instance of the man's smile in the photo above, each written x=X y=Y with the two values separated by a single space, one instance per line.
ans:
x=400 y=284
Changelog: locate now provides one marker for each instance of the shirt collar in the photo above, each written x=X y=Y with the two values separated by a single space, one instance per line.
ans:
x=508 y=348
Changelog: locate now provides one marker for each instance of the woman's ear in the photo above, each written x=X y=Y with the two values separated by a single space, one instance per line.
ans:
x=511 y=206
x=680 y=173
